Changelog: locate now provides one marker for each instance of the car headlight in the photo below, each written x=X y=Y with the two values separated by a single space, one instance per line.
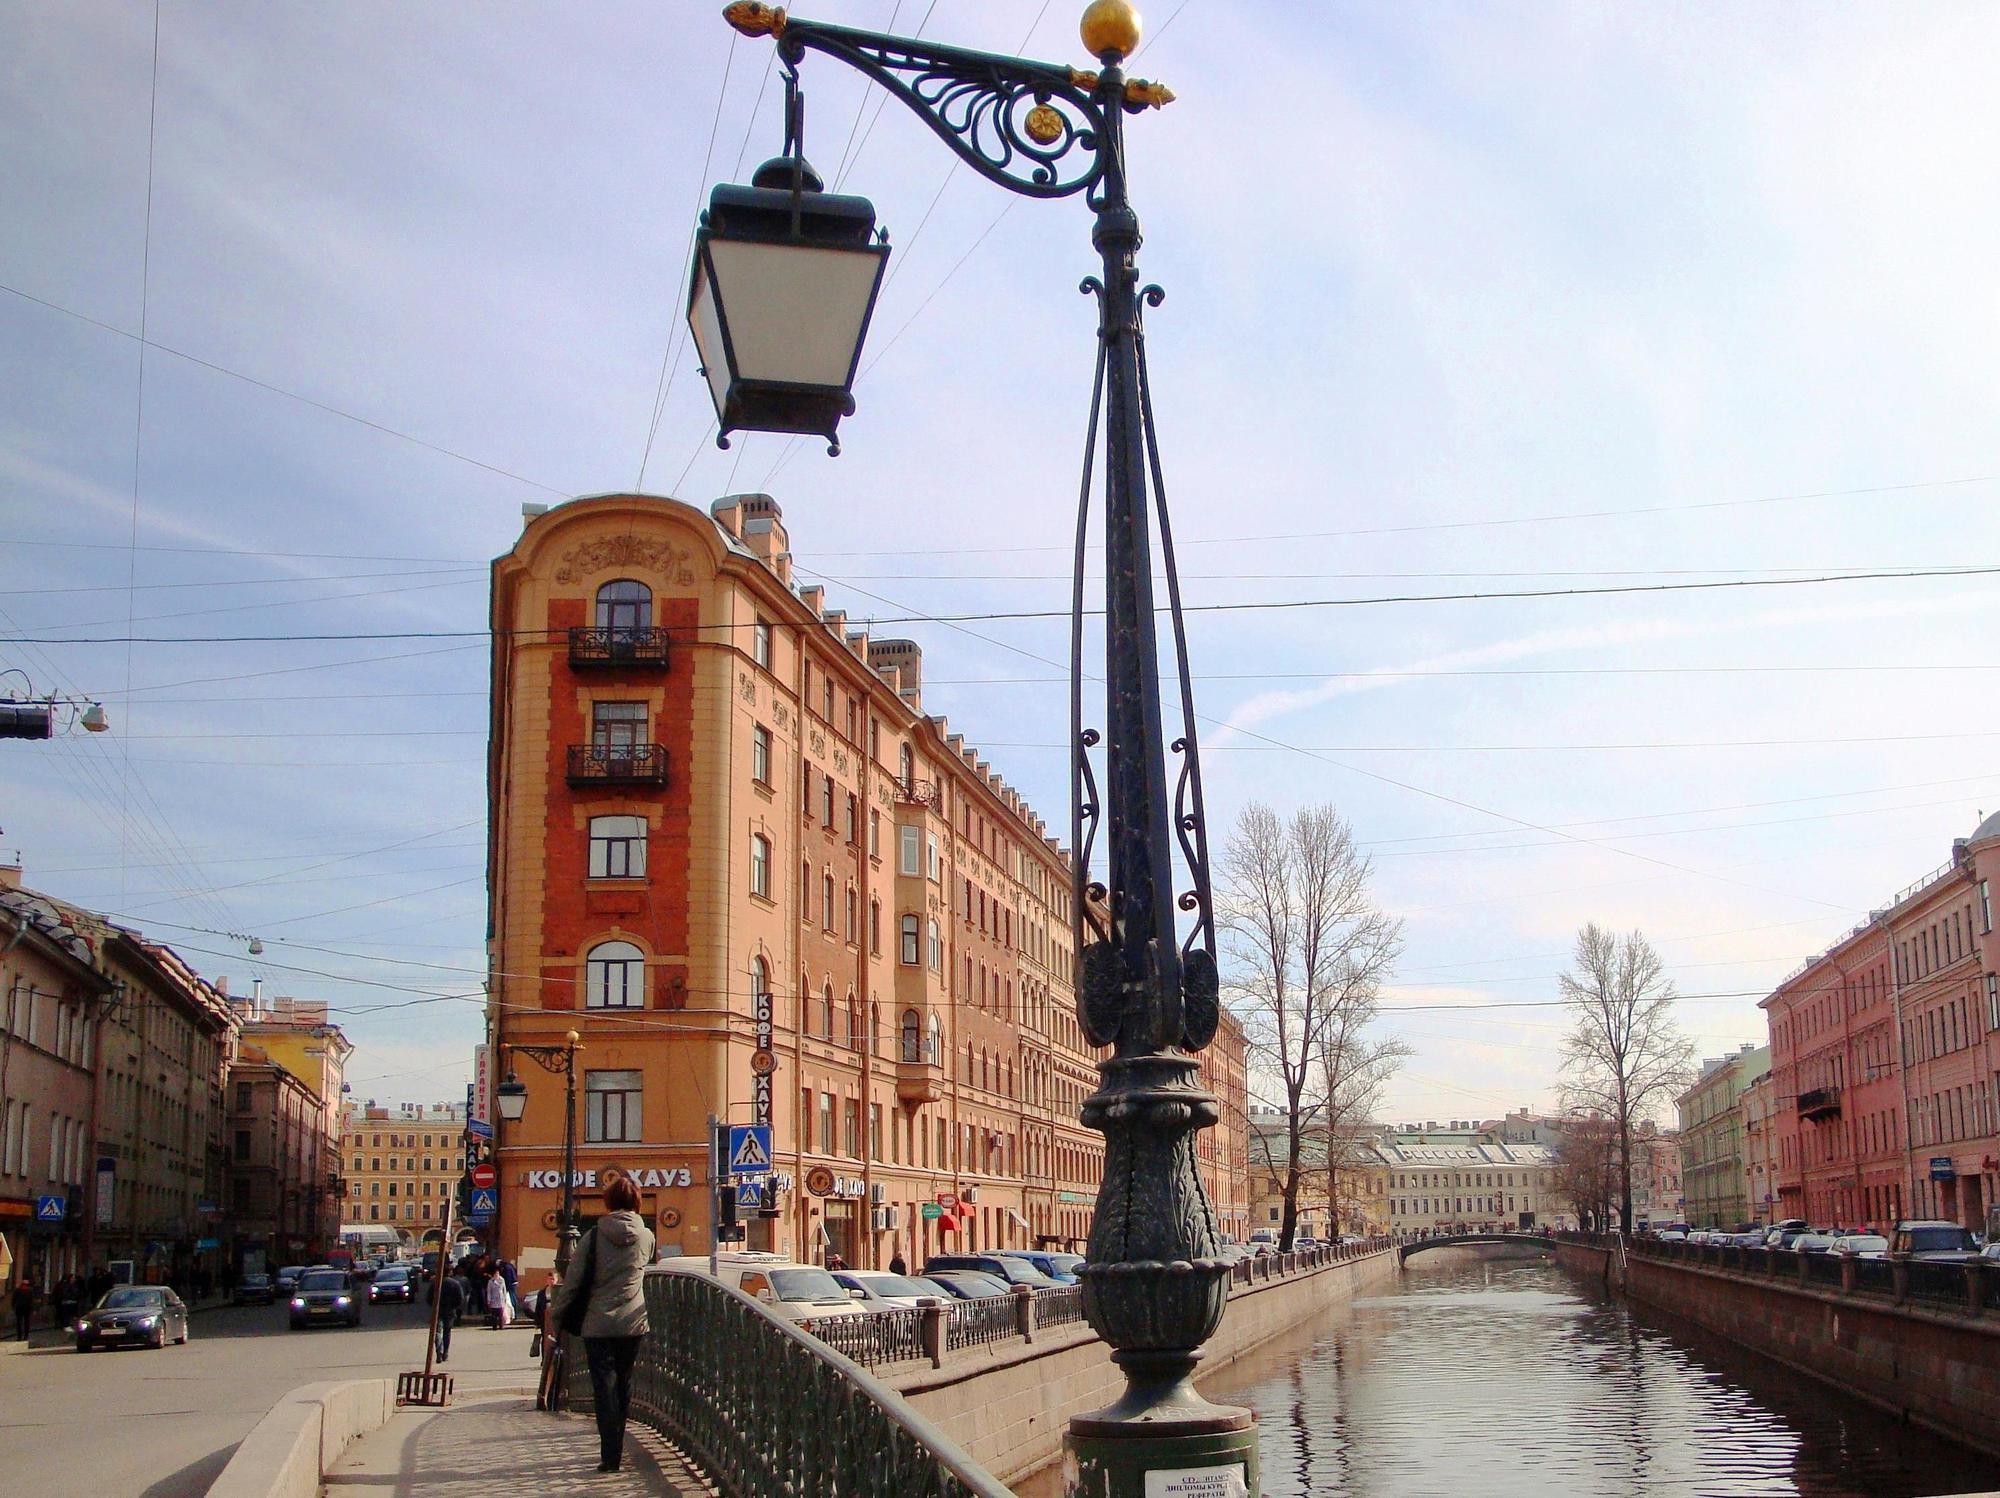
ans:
x=298 y=1304
x=341 y=1300
x=146 y=1321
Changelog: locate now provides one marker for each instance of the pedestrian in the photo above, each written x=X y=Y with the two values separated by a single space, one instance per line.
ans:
x=601 y=1300
x=451 y=1301
x=499 y=1308
x=897 y=1265
x=512 y=1277
x=835 y=1262
x=24 y=1307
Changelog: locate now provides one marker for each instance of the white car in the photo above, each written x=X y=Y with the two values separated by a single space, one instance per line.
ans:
x=1861 y=1245
x=1671 y=1235
x=878 y=1290
x=1812 y=1243
x=804 y=1293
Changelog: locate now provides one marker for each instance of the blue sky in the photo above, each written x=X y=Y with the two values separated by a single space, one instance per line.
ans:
x=1714 y=283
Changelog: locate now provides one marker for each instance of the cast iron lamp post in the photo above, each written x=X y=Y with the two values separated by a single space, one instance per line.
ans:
x=783 y=286
x=512 y=1096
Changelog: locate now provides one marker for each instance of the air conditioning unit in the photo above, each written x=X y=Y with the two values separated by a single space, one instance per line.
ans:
x=968 y=1193
x=878 y=1193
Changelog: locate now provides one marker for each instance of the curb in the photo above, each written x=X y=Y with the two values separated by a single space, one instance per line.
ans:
x=291 y=1448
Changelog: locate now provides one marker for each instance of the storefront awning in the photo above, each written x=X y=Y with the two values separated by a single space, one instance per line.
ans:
x=1021 y=1221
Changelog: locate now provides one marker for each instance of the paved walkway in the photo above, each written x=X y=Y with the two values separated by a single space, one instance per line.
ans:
x=479 y=1447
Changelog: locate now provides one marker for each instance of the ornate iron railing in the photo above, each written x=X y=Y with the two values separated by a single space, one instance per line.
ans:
x=875 y=1338
x=916 y=793
x=628 y=646
x=618 y=764
x=974 y=1323
x=762 y=1407
x=1059 y=1307
x=1948 y=1287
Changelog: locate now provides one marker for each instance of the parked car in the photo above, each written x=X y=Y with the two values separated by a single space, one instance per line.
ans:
x=878 y=1290
x=254 y=1289
x=1672 y=1235
x=967 y=1284
x=1012 y=1268
x=1990 y=1254
x=803 y=1293
x=1935 y=1241
x=1861 y=1245
x=133 y=1316
x=1059 y=1267
x=1812 y=1243
x=288 y=1278
x=395 y=1282
x=1782 y=1234
x=326 y=1296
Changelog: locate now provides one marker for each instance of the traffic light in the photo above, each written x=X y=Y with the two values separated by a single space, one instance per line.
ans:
x=25 y=720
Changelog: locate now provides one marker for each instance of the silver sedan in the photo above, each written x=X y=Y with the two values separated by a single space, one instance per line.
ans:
x=133 y=1316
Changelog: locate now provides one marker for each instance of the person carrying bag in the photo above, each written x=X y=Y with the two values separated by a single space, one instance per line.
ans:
x=601 y=1300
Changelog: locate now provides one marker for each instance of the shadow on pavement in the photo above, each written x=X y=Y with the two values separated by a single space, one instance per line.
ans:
x=194 y=1479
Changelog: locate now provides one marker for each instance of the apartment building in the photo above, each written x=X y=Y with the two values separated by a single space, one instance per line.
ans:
x=401 y=1164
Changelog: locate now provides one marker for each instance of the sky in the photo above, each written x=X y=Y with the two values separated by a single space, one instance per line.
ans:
x=1461 y=299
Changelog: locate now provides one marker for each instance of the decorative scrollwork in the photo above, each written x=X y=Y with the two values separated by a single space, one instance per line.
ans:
x=1026 y=125
x=1153 y=293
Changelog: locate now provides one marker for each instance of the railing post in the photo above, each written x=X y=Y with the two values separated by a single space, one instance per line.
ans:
x=1899 y=1278
x=930 y=1330
x=1024 y=1312
x=1771 y=1262
x=1975 y=1287
x=1850 y=1275
x=1803 y=1267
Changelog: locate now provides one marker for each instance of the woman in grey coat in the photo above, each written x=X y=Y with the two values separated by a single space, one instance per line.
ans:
x=609 y=1267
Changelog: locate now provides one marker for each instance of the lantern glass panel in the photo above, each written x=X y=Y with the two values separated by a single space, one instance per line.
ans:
x=796 y=314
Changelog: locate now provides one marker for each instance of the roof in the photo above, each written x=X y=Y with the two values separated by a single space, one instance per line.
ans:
x=1988 y=828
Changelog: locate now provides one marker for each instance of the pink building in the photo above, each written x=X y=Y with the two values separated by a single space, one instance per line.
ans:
x=1885 y=1058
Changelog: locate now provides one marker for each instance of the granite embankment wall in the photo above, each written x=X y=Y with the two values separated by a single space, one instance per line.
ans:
x=1935 y=1367
x=1007 y=1405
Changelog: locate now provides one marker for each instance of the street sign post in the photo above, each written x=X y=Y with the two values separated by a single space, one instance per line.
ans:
x=749 y=1149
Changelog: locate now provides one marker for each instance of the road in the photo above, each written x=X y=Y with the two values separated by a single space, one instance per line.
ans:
x=135 y=1423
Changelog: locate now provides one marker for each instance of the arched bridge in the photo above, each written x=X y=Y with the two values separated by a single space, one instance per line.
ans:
x=1458 y=1240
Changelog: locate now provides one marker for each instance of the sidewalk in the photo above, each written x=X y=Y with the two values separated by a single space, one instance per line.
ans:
x=481 y=1446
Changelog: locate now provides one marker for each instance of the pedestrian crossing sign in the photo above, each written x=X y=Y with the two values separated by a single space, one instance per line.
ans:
x=50 y=1208
x=750 y=1196
x=749 y=1149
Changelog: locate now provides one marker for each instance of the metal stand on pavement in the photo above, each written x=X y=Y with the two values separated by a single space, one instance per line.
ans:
x=430 y=1387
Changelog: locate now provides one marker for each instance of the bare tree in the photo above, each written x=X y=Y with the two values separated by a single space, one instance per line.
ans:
x=1305 y=951
x=1354 y=1067
x=1586 y=1168
x=1626 y=1058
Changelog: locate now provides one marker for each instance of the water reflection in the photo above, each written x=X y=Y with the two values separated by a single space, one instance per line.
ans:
x=1511 y=1377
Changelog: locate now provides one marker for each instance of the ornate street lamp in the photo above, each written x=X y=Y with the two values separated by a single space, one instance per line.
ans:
x=1153 y=1285
x=512 y=1097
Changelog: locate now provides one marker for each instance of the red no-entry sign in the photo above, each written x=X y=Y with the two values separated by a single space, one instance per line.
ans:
x=482 y=1176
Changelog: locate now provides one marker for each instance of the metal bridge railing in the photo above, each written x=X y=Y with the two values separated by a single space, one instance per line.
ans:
x=763 y=1407
x=1940 y=1286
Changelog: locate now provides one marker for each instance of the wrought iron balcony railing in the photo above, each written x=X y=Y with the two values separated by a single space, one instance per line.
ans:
x=624 y=646
x=1820 y=1102
x=916 y=793
x=617 y=764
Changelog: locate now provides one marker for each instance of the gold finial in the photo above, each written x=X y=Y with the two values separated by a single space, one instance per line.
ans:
x=1110 y=29
x=573 y=1037
x=1143 y=94
x=754 y=19
x=1044 y=125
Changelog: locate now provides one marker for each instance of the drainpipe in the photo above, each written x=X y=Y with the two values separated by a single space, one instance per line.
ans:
x=1902 y=1062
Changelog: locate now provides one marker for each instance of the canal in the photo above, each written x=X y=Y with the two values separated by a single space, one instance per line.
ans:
x=1498 y=1377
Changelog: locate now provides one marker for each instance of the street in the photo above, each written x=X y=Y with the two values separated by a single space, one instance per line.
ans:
x=141 y=1424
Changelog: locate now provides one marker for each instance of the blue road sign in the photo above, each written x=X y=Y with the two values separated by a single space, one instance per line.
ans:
x=749 y=1149
x=749 y=1195
x=485 y=1201
x=479 y=1128
x=50 y=1208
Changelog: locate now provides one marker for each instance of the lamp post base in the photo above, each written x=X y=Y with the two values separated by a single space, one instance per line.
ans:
x=1142 y=1461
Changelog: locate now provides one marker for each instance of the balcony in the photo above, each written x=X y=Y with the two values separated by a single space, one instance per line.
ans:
x=625 y=647
x=919 y=1073
x=917 y=793
x=1820 y=1102
x=617 y=764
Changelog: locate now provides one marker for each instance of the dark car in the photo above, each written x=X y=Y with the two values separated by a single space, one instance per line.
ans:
x=133 y=1316
x=967 y=1284
x=254 y=1289
x=393 y=1283
x=1935 y=1242
x=326 y=1297
x=1061 y=1268
x=1011 y=1268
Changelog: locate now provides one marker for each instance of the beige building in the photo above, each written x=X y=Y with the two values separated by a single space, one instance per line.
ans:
x=731 y=851
x=1714 y=1156
x=401 y=1165
x=1468 y=1177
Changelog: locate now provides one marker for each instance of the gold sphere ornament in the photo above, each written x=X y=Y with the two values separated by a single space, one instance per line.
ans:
x=1044 y=125
x=1110 y=27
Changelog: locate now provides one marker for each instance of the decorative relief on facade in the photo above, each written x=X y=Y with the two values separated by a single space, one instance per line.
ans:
x=818 y=742
x=662 y=558
x=747 y=687
x=782 y=716
x=840 y=760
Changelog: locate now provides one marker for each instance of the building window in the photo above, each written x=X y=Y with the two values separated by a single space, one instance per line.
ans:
x=826 y=1122
x=850 y=1138
x=874 y=1131
x=826 y=1011
x=242 y=1144
x=853 y=915
x=617 y=847
x=935 y=942
x=614 y=977
x=910 y=843
x=624 y=606
x=1992 y=1002
x=242 y=1097
x=912 y=952
x=806 y=890
x=874 y=834
x=760 y=754
x=826 y=901
x=906 y=767
x=933 y=866
x=760 y=865
x=913 y=1036
x=617 y=729
x=853 y=818
x=760 y=643
x=826 y=801
x=1985 y=906
x=875 y=927
x=611 y=1107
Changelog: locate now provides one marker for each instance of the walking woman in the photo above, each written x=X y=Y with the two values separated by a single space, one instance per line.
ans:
x=600 y=1298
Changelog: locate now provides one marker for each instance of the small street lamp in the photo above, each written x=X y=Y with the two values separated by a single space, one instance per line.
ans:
x=779 y=310
x=512 y=1097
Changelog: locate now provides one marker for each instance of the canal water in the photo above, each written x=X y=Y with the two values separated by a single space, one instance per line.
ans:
x=1498 y=1377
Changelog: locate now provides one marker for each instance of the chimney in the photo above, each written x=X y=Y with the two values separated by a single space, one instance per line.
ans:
x=902 y=662
x=10 y=873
